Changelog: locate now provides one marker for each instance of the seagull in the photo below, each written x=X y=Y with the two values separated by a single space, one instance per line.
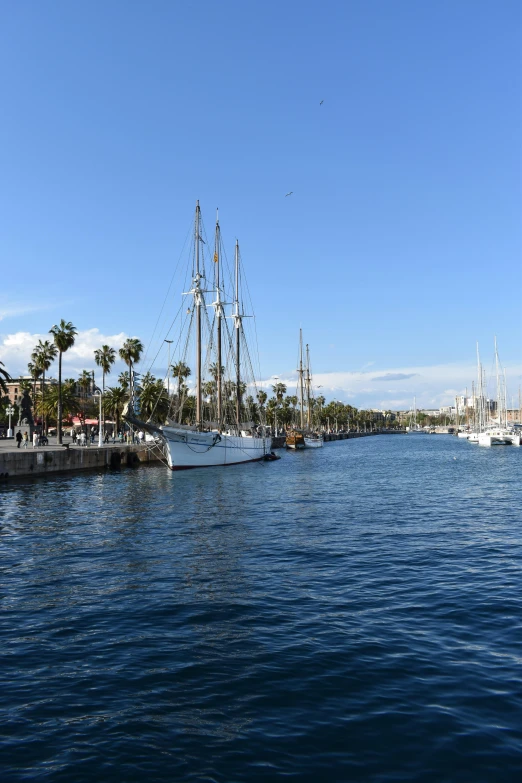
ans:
x=289 y=194
x=321 y=103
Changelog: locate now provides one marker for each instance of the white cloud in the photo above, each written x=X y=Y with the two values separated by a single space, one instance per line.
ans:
x=15 y=310
x=432 y=386
x=16 y=349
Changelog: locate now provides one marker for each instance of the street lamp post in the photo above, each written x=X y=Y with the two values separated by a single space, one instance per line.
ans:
x=10 y=412
x=100 y=433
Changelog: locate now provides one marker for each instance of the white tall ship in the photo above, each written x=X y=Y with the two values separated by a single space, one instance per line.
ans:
x=221 y=431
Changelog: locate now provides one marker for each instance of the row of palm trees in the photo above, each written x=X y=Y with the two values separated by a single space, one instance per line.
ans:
x=45 y=352
x=154 y=400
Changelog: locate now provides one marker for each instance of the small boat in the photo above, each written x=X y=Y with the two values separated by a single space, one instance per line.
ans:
x=314 y=440
x=306 y=436
x=295 y=440
x=499 y=436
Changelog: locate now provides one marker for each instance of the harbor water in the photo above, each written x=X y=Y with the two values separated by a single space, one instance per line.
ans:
x=351 y=613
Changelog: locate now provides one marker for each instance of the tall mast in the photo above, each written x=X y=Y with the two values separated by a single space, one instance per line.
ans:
x=479 y=392
x=505 y=423
x=301 y=375
x=197 y=300
x=308 y=379
x=237 y=320
x=499 y=387
x=219 y=315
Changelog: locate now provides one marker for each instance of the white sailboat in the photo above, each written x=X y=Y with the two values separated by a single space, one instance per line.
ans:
x=231 y=438
x=499 y=433
x=478 y=404
x=413 y=427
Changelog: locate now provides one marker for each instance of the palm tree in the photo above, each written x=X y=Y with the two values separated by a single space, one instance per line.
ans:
x=180 y=370
x=154 y=401
x=84 y=384
x=262 y=397
x=43 y=356
x=64 y=335
x=4 y=377
x=64 y=397
x=113 y=401
x=130 y=352
x=35 y=373
x=279 y=390
x=123 y=380
x=105 y=358
x=293 y=400
x=148 y=380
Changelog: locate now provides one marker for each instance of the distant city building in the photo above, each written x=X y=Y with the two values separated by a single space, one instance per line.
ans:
x=15 y=386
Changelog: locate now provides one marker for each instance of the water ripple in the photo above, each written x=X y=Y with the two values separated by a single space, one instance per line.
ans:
x=348 y=614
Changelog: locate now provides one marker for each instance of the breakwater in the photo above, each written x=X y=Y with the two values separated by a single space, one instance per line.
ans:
x=46 y=460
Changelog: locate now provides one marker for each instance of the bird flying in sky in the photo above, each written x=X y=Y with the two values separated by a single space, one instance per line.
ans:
x=289 y=194
x=321 y=103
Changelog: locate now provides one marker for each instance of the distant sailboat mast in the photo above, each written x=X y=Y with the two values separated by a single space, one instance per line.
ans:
x=301 y=371
x=308 y=381
x=197 y=300
x=219 y=316
x=480 y=394
x=237 y=323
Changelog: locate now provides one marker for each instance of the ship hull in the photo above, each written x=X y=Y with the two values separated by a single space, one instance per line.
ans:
x=187 y=449
x=313 y=443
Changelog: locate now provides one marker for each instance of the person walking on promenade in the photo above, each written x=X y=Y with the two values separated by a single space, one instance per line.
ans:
x=18 y=439
x=35 y=439
x=26 y=440
x=73 y=436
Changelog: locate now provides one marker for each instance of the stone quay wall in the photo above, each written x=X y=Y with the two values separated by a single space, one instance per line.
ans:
x=47 y=460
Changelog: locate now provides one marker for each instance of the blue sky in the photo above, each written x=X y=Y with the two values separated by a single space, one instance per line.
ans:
x=401 y=244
